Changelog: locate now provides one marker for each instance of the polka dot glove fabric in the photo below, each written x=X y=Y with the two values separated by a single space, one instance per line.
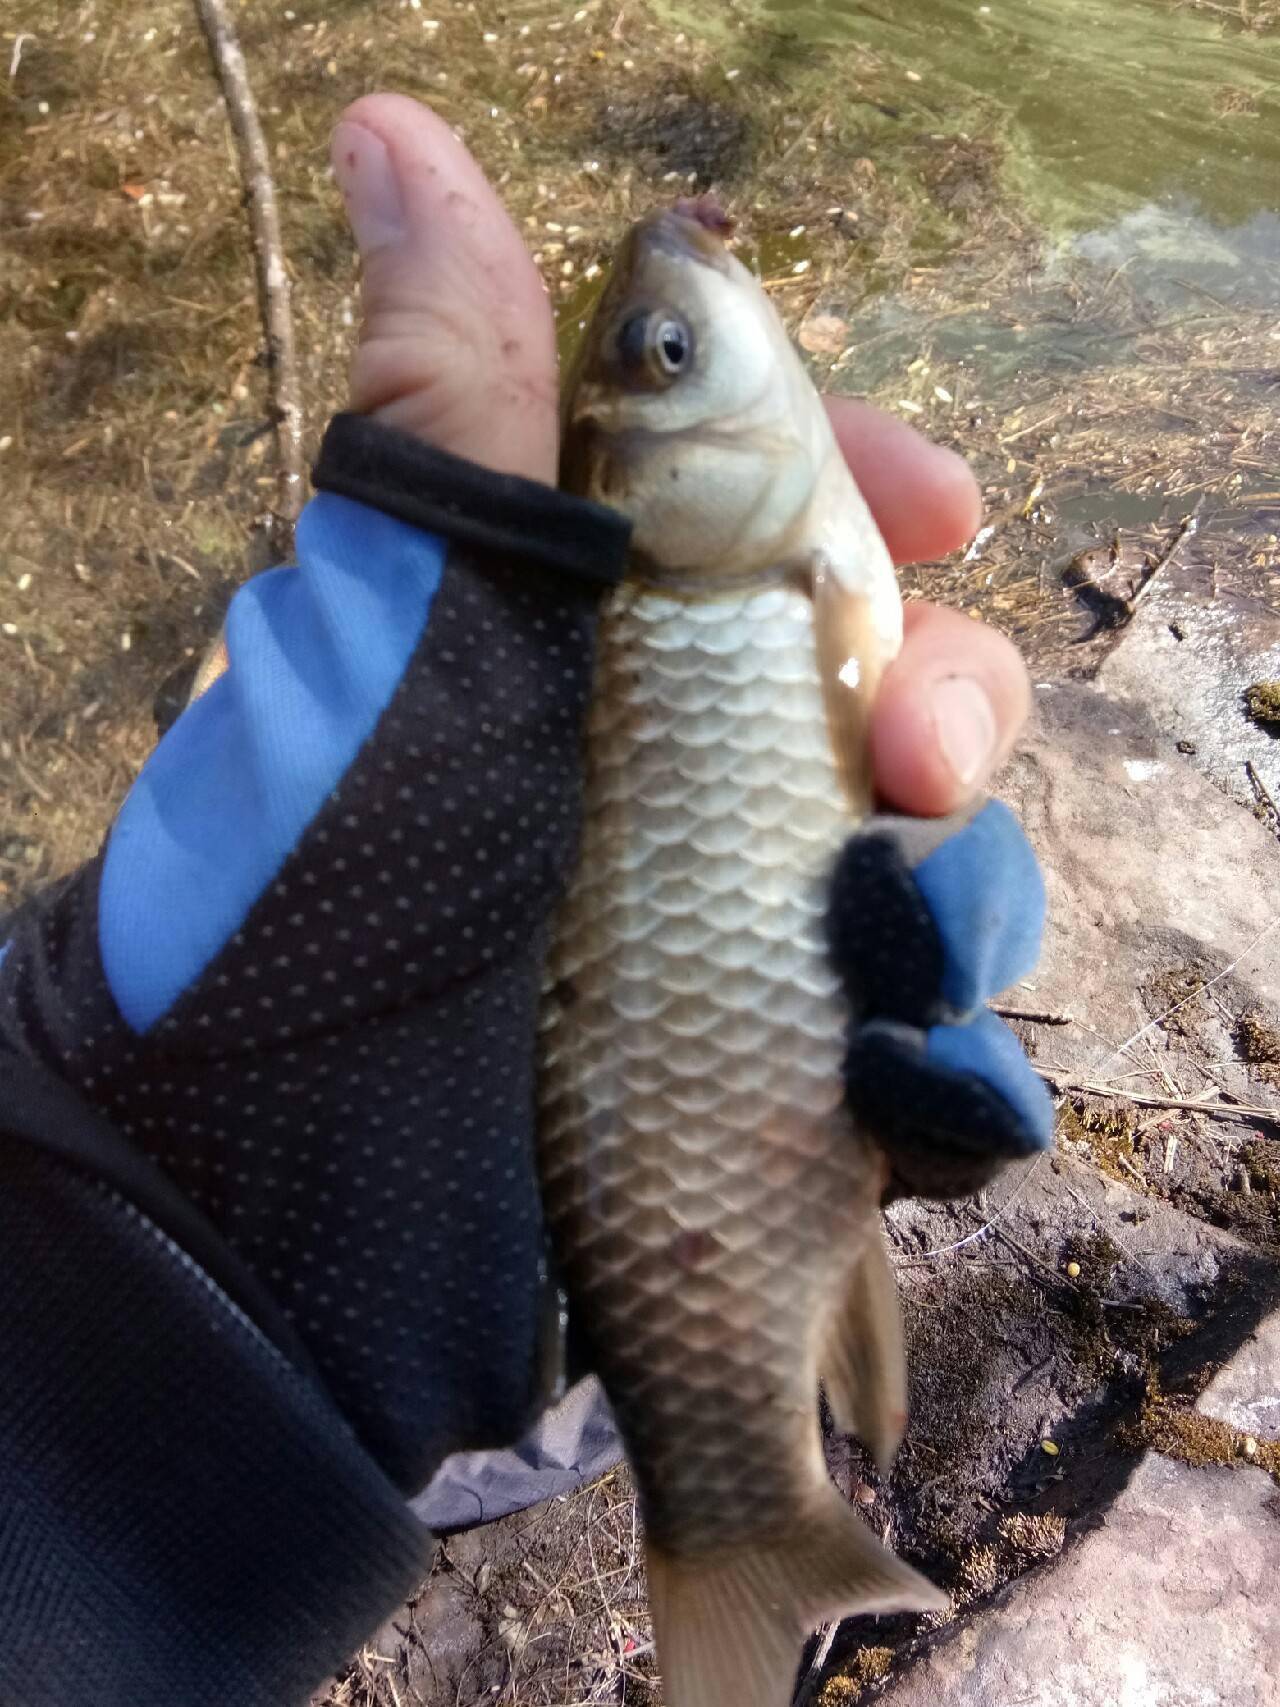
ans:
x=929 y=919
x=302 y=976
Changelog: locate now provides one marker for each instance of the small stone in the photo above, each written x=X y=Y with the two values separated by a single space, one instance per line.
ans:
x=1249 y=1446
x=864 y=1494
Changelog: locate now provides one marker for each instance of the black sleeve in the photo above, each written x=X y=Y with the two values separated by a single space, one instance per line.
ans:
x=194 y=1508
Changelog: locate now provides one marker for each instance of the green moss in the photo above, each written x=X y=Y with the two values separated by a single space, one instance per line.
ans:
x=1259 y=1044
x=1173 y=1429
x=1032 y=1538
x=1262 y=1163
x=1108 y=1129
x=980 y=1574
x=1262 y=702
x=867 y=1666
x=1097 y=1255
x=840 y=1692
x=1171 y=996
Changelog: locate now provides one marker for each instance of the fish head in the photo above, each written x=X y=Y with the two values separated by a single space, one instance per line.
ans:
x=687 y=408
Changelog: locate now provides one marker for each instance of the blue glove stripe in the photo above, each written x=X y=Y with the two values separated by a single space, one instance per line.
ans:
x=985 y=892
x=316 y=654
x=987 y=1050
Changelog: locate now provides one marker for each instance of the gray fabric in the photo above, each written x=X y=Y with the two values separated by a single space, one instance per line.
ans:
x=573 y=1443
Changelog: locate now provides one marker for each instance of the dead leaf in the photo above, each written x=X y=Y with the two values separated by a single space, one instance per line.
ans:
x=823 y=335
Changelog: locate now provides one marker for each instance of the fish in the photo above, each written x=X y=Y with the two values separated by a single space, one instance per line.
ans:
x=713 y=1212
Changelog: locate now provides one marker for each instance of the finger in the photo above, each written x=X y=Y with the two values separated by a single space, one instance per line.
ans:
x=457 y=343
x=948 y=712
x=924 y=498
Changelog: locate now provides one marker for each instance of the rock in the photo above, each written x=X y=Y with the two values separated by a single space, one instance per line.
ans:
x=1189 y=655
x=1005 y=1352
x=1246 y=1393
x=1170 y=1602
x=1148 y=867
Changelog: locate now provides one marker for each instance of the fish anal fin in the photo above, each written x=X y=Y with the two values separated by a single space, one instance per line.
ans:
x=850 y=664
x=730 y=1628
x=863 y=1364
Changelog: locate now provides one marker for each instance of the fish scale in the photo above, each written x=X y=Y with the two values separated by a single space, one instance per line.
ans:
x=703 y=1186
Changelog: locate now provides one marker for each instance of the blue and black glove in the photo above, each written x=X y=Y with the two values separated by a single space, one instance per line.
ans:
x=931 y=918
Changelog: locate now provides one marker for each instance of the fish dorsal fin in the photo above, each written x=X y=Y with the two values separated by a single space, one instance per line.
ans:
x=850 y=664
x=863 y=1366
x=730 y=1627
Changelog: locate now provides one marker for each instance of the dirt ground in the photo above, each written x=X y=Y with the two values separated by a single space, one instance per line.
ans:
x=1100 y=409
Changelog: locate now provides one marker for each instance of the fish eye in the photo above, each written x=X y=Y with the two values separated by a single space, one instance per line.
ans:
x=653 y=347
x=671 y=345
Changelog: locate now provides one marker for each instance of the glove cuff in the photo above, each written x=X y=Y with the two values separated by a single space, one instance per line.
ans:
x=520 y=520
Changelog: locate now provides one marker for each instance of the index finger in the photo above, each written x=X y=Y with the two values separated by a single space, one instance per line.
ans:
x=924 y=497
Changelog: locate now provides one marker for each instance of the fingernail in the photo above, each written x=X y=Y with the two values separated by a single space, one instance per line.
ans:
x=966 y=727
x=367 y=179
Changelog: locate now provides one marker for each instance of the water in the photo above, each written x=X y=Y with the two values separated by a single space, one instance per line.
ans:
x=1105 y=105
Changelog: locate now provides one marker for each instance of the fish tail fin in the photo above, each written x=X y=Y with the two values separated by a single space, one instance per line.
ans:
x=730 y=1627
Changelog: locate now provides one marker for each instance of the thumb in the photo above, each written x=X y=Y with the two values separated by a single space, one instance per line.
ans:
x=457 y=340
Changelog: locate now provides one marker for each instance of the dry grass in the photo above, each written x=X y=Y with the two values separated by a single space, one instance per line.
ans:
x=556 y=1614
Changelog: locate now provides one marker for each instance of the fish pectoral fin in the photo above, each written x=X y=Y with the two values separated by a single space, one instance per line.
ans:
x=850 y=665
x=730 y=1627
x=864 y=1366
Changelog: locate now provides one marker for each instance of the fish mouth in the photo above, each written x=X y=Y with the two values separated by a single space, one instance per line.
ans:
x=691 y=231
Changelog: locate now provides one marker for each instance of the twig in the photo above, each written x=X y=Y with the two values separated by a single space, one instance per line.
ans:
x=268 y=252
x=1034 y=1260
x=1034 y=1017
x=1189 y=528
x=1023 y=431
x=813 y=1677
x=1262 y=792
x=1194 y=1105
x=19 y=42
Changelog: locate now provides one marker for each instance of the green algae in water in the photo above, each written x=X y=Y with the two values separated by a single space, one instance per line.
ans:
x=1104 y=105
